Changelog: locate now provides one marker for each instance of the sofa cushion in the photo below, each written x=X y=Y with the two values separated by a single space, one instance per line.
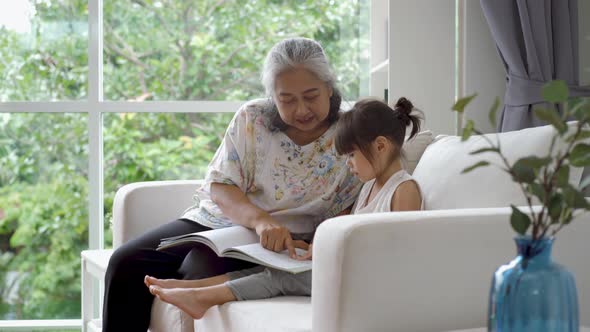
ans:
x=414 y=148
x=285 y=313
x=444 y=187
x=168 y=318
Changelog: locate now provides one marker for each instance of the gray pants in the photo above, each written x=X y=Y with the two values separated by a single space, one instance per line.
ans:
x=261 y=283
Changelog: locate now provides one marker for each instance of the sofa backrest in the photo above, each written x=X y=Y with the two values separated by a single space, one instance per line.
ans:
x=141 y=206
x=444 y=187
x=413 y=149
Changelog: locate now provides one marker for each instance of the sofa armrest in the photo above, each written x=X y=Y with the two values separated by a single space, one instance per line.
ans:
x=141 y=206
x=423 y=270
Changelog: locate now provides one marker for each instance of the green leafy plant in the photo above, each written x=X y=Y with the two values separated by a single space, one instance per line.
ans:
x=545 y=178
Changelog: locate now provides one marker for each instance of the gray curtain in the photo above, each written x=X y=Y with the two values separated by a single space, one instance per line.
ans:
x=538 y=42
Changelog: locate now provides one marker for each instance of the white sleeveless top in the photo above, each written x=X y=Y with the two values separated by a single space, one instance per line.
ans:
x=382 y=200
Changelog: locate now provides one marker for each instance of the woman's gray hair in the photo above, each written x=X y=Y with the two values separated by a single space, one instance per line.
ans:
x=300 y=53
x=293 y=53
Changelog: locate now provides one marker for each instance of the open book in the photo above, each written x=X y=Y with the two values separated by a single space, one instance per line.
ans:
x=240 y=243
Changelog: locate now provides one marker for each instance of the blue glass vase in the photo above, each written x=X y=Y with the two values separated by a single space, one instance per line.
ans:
x=532 y=293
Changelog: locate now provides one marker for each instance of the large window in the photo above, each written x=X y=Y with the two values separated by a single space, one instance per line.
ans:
x=157 y=146
x=43 y=213
x=89 y=105
x=43 y=50
x=213 y=50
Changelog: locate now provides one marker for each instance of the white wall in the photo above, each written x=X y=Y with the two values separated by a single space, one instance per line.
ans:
x=483 y=71
x=422 y=51
x=422 y=58
x=584 y=37
x=379 y=34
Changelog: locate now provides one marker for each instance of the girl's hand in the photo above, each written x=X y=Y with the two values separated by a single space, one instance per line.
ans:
x=308 y=254
x=275 y=237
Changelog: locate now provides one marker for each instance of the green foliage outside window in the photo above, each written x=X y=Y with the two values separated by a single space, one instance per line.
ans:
x=153 y=50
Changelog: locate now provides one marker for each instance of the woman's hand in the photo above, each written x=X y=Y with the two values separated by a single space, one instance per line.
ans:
x=304 y=245
x=275 y=237
x=237 y=207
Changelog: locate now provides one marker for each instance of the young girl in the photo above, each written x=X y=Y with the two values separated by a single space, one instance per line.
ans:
x=371 y=135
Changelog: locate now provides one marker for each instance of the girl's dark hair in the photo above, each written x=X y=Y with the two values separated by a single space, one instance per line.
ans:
x=333 y=114
x=370 y=118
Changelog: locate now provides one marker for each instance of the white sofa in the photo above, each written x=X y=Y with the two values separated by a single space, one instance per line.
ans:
x=402 y=271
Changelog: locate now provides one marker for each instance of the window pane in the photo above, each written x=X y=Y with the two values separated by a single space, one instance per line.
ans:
x=157 y=146
x=43 y=214
x=43 y=47
x=213 y=50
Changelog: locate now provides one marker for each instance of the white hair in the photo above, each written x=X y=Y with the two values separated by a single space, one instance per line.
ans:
x=296 y=53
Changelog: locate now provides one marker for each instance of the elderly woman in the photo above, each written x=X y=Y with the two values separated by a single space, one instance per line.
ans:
x=275 y=172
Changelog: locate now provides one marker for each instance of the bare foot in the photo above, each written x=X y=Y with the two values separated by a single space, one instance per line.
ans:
x=171 y=283
x=187 y=299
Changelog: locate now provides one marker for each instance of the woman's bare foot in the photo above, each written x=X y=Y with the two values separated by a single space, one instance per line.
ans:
x=194 y=301
x=171 y=283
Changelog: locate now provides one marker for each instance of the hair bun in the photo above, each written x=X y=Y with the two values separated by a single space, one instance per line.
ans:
x=404 y=106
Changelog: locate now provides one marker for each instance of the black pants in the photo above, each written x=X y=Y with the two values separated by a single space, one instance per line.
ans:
x=127 y=301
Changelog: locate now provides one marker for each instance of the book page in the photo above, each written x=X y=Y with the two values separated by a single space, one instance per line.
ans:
x=218 y=239
x=234 y=236
x=165 y=244
x=277 y=260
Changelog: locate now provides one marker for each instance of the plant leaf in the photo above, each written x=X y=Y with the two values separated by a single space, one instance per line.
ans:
x=554 y=207
x=580 y=155
x=521 y=172
x=520 y=222
x=581 y=136
x=551 y=116
x=583 y=113
x=493 y=111
x=555 y=91
x=482 y=150
x=474 y=166
x=574 y=198
x=467 y=130
x=562 y=176
x=580 y=109
x=462 y=103
x=537 y=190
x=535 y=162
x=585 y=182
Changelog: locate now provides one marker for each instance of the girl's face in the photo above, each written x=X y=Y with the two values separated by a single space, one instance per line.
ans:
x=360 y=166
x=302 y=99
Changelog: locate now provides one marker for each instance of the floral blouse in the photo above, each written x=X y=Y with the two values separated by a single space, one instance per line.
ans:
x=300 y=186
